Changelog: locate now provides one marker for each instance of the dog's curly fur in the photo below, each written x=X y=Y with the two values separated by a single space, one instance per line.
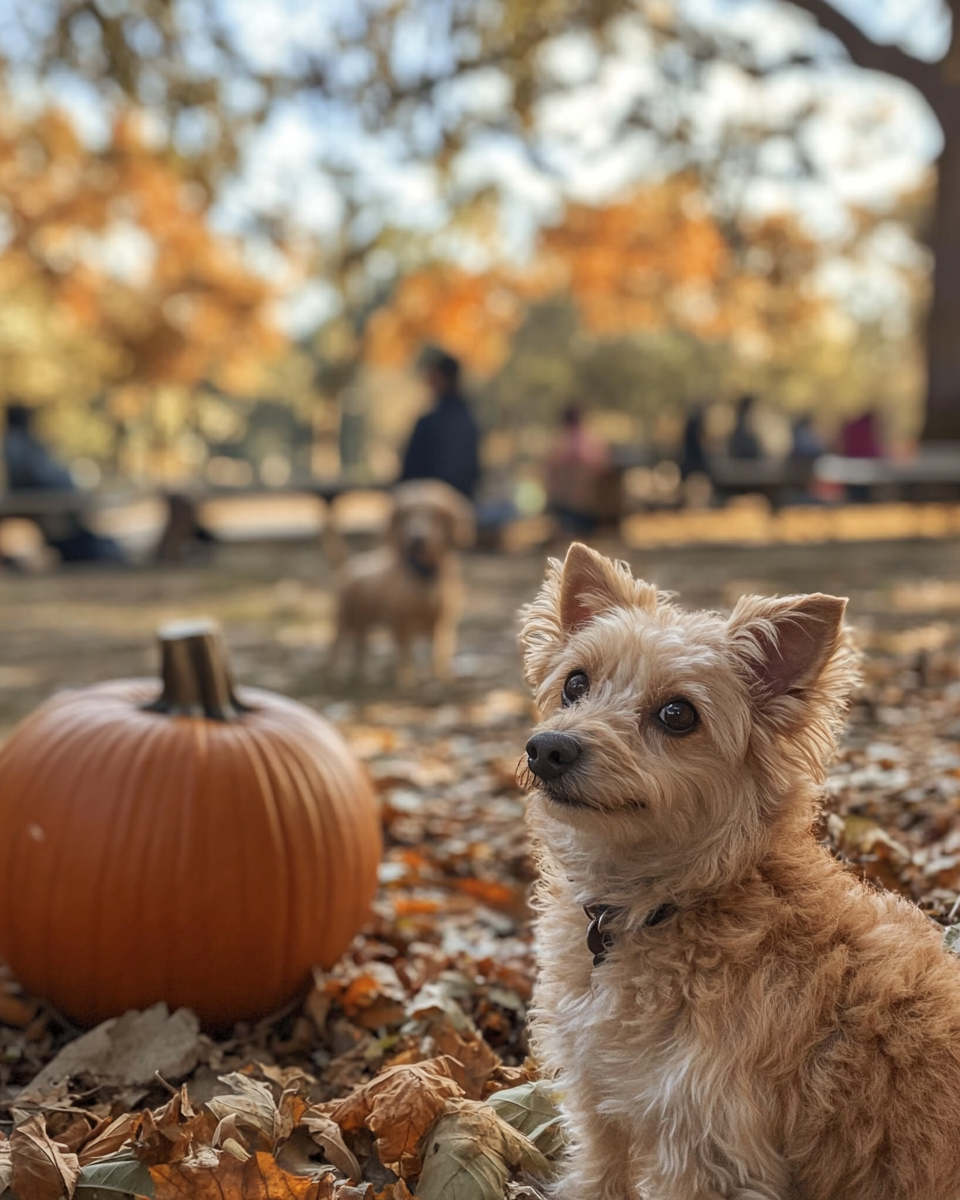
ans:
x=411 y=584
x=788 y=1033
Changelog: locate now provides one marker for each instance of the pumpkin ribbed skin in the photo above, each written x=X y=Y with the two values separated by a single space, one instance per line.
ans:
x=207 y=863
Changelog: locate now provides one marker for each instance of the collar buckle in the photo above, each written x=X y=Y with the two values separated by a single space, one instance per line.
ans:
x=599 y=937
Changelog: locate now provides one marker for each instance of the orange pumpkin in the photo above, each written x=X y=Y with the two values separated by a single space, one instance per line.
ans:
x=203 y=847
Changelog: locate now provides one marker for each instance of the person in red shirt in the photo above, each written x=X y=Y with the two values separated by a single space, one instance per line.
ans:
x=574 y=466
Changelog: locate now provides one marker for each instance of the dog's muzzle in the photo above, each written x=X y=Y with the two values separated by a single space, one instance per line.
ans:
x=550 y=754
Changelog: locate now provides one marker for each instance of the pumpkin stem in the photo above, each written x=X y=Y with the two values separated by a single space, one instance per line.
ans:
x=196 y=676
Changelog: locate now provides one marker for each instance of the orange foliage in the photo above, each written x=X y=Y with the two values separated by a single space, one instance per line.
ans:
x=472 y=316
x=656 y=259
x=649 y=260
x=122 y=243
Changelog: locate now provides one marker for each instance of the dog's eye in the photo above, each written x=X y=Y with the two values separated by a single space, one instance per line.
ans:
x=679 y=716
x=576 y=687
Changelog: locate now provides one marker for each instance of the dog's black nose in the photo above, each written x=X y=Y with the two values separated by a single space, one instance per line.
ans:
x=550 y=754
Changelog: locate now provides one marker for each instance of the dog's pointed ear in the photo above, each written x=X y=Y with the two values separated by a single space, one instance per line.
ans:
x=589 y=585
x=786 y=643
x=574 y=592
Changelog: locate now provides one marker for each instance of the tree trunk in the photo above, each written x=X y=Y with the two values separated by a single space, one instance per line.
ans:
x=943 y=329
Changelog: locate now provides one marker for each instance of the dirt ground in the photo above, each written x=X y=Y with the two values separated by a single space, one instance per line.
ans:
x=275 y=604
x=445 y=964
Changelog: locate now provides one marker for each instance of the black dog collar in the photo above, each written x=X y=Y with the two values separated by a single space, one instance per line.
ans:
x=599 y=937
x=424 y=571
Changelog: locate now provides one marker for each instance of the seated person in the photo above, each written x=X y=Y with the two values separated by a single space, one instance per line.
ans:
x=574 y=467
x=30 y=466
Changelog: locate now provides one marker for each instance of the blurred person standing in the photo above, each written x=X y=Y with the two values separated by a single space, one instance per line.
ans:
x=693 y=454
x=744 y=443
x=30 y=466
x=445 y=443
x=575 y=464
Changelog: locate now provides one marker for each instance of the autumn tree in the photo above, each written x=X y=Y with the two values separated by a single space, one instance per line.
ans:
x=618 y=300
x=113 y=284
x=122 y=243
x=939 y=84
x=427 y=107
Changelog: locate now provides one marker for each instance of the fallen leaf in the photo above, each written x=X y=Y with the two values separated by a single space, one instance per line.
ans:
x=70 y=1129
x=326 y=1133
x=259 y=1178
x=16 y=1012
x=253 y=1106
x=398 y=1106
x=108 y=1139
x=375 y=998
x=469 y=1152
x=117 y=1173
x=42 y=1169
x=524 y=1191
x=530 y=1109
x=233 y=1147
x=300 y=1155
x=395 y=1191
x=445 y=1029
x=6 y=1164
x=125 y=1051
x=171 y=1133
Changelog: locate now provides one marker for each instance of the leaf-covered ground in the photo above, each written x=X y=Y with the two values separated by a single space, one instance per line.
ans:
x=421 y=1027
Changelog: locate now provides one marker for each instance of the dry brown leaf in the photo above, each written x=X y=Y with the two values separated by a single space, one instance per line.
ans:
x=16 y=1012
x=259 y=1178
x=177 y=1107
x=252 y=1105
x=398 y=1107
x=300 y=1155
x=171 y=1133
x=375 y=998
x=42 y=1169
x=469 y=1049
x=395 y=1191
x=108 y=1137
x=6 y=1164
x=69 y=1129
x=326 y=1133
x=444 y=1028
x=127 y=1051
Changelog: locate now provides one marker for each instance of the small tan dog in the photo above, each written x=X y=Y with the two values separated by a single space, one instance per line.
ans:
x=749 y=1021
x=410 y=584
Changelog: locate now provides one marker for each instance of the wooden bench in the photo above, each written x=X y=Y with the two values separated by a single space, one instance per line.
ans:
x=184 y=510
x=934 y=474
x=777 y=479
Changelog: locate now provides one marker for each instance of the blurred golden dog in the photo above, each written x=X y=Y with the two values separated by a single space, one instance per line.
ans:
x=747 y=1019
x=411 y=584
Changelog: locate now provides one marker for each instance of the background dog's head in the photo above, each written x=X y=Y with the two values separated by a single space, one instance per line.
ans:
x=430 y=519
x=681 y=731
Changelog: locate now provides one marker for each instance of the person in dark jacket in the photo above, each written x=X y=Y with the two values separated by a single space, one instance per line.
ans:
x=744 y=442
x=693 y=457
x=445 y=443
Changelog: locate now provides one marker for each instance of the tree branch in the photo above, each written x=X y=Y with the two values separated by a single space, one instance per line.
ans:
x=871 y=55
